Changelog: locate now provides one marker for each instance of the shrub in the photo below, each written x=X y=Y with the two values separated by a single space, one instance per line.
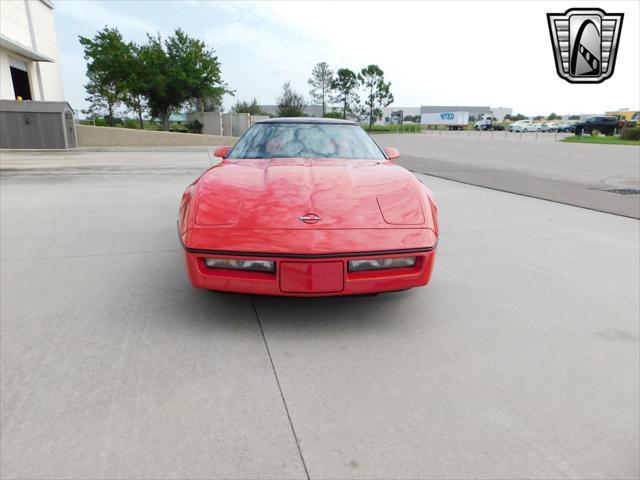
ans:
x=131 y=123
x=100 y=122
x=194 y=126
x=632 y=133
x=176 y=127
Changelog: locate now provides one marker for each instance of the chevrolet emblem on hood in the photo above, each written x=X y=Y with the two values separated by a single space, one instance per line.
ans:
x=310 y=218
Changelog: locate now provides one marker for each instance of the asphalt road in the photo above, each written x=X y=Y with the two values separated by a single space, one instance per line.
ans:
x=529 y=164
x=520 y=360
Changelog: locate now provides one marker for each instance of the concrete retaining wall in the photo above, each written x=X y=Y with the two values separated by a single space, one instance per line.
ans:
x=227 y=122
x=211 y=121
x=240 y=124
x=89 y=136
x=256 y=118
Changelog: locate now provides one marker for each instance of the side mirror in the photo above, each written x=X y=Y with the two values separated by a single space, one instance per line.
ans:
x=392 y=153
x=222 y=152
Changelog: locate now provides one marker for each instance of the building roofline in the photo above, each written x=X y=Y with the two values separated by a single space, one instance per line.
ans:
x=20 y=49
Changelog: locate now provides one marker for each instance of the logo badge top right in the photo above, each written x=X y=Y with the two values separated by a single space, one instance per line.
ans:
x=585 y=43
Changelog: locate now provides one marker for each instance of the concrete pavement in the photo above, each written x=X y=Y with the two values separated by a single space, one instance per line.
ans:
x=575 y=174
x=520 y=360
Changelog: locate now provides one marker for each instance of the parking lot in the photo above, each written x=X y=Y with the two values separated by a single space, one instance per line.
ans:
x=519 y=360
x=536 y=165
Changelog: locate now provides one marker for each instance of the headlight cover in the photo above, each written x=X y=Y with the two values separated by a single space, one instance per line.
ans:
x=240 y=264
x=380 y=263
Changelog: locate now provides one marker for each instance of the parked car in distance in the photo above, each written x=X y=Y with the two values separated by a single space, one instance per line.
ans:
x=605 y=125
x=522 y=126
x=547 y=127
x=566 y=127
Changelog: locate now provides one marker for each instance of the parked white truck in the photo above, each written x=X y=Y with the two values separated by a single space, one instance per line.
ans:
x=487 y=122
x=452 y=120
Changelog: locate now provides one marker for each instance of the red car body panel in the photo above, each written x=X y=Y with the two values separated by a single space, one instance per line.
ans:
x=252 y=208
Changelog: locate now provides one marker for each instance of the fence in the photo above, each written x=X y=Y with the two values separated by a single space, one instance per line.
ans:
x=89 y=136
x=498 y=134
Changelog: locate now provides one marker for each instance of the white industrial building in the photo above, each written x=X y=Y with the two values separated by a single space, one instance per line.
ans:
x=29 y=65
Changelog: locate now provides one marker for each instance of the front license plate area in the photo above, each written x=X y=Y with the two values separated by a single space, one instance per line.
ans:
x=319 y=277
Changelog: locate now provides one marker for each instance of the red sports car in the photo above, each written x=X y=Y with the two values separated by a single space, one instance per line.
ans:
x=308 y=207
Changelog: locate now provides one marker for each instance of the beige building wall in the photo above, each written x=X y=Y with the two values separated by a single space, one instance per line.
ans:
x=28 y=37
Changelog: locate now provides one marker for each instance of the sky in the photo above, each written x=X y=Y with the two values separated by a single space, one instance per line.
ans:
x=494 y=53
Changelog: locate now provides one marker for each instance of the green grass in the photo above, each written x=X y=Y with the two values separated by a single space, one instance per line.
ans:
x=406 y=128
x=600 y=139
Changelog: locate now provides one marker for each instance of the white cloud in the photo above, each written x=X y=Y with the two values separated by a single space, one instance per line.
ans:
x=480 y=53
x=94 y=15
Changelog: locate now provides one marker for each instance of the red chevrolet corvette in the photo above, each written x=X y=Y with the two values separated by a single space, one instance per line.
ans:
x=308 y=207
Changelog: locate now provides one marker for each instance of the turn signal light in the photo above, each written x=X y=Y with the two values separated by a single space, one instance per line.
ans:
x=381 y=263
x=237 y=264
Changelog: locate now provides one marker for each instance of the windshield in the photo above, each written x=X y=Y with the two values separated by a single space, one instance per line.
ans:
x=309 y=140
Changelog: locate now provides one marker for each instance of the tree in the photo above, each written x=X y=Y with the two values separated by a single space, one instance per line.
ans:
x=108 y=56
x=134 y=82
x=538 y=117
x=290 y=103
x=245 y=107
x=552 y=116
x=209 y=104
x=344 y=87
x=574 y=117
x=378 y=92
x=320 y=81
x=177 y=70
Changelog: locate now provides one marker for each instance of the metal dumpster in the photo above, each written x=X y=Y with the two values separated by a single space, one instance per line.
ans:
x=29 y=124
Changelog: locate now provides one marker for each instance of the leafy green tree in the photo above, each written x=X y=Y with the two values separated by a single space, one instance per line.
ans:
x=552 y=116
x=378 y=92
x=245 y=107
x=178 y=70
x=208 y=104
x=538 y=117
x=333 y=114
x=344 y=87
x=290 y=103
x=107 y=56
x=134 y=75
x=574 y=117
x=320 y=83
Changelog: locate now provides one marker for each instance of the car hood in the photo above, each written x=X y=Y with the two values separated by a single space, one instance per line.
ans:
x=275 y=193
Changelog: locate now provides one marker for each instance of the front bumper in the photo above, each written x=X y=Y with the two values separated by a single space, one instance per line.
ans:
x=311 y=276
